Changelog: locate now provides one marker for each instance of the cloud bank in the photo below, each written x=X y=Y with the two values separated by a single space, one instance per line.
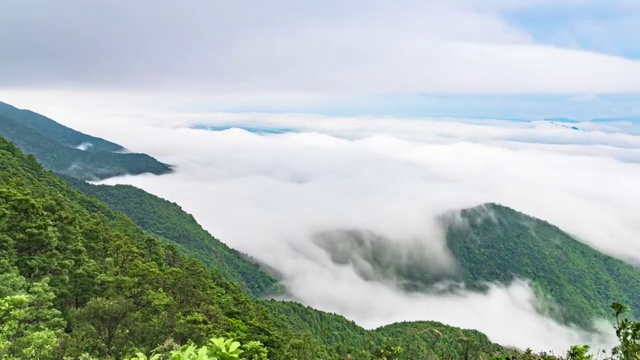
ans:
x=304 y=47
x=266 y=183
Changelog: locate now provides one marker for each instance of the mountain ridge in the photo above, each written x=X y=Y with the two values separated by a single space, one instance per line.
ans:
x=52 y=129
x=69 y=152
x=492 y=243
x=167 y=220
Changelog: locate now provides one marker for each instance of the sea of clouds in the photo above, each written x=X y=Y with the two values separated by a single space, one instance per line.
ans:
x=266 y=183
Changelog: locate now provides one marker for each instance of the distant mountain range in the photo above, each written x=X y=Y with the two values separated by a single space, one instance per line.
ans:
x=621 y=118
x=608 y=119
x=562 y=120
x=69 y=152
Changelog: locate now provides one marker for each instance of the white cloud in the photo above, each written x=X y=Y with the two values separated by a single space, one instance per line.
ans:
x=267 y=195
x=330 y=48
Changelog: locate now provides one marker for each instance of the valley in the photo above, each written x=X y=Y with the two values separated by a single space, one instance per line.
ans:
x=493 y=249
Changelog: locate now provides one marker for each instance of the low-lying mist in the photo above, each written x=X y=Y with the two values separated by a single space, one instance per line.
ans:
x=280 y=196
x=413 y=265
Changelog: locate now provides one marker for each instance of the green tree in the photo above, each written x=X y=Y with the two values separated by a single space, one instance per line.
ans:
x=29 y=325
x=628 y=333
x=579 y=352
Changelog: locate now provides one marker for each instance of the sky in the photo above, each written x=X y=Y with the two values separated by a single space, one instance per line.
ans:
x=497 y=58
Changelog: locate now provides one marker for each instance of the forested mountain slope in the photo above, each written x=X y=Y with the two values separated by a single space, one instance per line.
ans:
x=66 y=151
x=166 y=219
x=78 y=278
x=53 y=130
x=107 y=286
x=418 y=340
x=434 y=340
x=495 y=243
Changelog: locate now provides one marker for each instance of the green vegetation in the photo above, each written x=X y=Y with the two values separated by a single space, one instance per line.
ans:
x=56 y=131
x=216 y=349
x=167 y=220
x=428 y=341
x=433 y=340
x=429 y=337
x=493 y=243
x=56 y=147
x=106 y=287
x=628 y=333
x=335 y=333
x=417 y=340
x=79 y=280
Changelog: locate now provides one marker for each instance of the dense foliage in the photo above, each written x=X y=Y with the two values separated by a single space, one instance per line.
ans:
x=426 y=340
x=337 y=334
x=167 y=220
x=496 y=243
x=56 y=147
x=107 y=287
x=79 y=278
x=433 y=340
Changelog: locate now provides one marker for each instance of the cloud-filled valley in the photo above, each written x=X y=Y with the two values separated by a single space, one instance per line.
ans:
x=268 y=195
x=470 y=162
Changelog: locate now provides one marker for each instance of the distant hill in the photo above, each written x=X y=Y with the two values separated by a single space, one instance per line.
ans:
x=167 y=220
x=562 y=120
x=418 y=340
x=496 y=243
x=493 y=243
x=69 y=152
x=621 y=118
x=56 y=131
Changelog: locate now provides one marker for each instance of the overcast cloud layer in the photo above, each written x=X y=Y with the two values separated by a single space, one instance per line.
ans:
x=328 y=47
x=268 y=194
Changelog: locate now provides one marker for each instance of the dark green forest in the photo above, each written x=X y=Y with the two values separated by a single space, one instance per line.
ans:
x=55 y=146
x=167 y=220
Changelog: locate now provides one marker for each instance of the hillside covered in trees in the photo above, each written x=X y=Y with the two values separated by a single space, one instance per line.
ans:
x=167 y=220
x=67 y=151
x=79 y=278
x=495 y=244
